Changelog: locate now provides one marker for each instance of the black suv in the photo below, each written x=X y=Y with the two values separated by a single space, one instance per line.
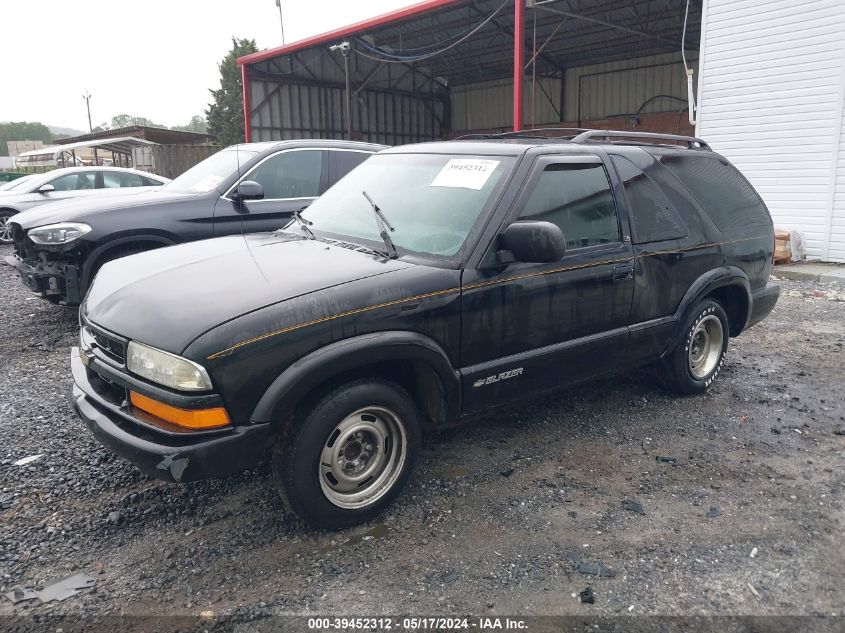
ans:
x=433 y=282
x=242 y=189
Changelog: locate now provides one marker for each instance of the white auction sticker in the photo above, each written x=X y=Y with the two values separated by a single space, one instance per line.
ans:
x=466 y=173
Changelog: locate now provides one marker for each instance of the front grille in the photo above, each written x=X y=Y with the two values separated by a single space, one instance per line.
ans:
x=111 y=346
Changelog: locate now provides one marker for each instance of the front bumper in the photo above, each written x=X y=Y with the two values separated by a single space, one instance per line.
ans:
x=57 y=280
x=179 y=457
x=763 y=302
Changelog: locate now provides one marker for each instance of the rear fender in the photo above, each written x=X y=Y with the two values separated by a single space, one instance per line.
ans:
x=705 y=285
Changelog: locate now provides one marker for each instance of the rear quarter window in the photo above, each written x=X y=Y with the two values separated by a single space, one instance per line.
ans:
x=652 y=216
x=724 y=194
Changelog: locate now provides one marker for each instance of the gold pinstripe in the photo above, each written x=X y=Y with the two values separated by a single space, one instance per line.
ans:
x=428 y=295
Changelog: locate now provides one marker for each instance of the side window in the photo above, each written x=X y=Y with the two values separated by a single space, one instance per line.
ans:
x=724 y=194
x=653 y=218
x=293 y=174
x=73 y=182
x=578 y=199
x=347 y=161
x=149 y=182
x=110 y=179
x=113 y=179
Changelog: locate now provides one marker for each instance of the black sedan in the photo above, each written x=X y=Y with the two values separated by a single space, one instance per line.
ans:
x=245 y=188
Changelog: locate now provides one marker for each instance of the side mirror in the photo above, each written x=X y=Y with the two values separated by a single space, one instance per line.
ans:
x=534 y=242
x=46 y=188
x=249 y=190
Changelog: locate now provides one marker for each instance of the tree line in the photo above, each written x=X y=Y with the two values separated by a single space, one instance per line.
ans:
x=223 y=119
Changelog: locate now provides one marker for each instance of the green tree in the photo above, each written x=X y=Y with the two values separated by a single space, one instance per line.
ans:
x=226 y=113
x=196 y=124
x=23 y=131
x=126 y=120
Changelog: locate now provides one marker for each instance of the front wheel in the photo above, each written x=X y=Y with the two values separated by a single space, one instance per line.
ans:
x=350 y=456
x=697 y=359
x=6 y=228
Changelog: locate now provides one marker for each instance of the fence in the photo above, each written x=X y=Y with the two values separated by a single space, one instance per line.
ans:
x=170 y=160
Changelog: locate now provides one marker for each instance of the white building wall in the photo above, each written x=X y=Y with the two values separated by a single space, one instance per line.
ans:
x=771 y=91
x=836 y=250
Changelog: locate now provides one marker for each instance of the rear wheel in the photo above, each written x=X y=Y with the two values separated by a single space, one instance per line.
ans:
x=6 y=228
x=697 y=359
x=350 y=456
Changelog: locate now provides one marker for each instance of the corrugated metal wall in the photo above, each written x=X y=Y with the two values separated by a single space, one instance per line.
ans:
x=490 y=104
x=389 y=105
x=771 y=100
x=602 y=90
x=291 y=110
x=622 y=87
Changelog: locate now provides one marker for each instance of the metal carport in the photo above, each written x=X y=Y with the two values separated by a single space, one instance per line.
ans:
x=443 y=67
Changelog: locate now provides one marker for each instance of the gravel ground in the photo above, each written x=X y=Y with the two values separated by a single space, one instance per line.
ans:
x=729 y=503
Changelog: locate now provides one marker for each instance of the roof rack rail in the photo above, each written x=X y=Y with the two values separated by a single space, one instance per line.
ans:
x=563 y=132
x=592 y=135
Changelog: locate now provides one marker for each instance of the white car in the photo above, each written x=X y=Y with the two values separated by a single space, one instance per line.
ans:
x=17 y=182
x=71 y=182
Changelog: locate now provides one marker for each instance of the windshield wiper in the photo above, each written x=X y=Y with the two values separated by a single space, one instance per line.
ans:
x=383 y=225
x=304 y=225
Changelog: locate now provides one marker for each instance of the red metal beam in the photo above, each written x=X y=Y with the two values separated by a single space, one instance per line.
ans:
x=245 y=88
x=518 y=61
x=346 y=31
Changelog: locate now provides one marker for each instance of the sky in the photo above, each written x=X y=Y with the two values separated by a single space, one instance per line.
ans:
x=156 y=59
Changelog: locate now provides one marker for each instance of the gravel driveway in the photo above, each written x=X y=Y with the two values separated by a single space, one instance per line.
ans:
x=728 y=503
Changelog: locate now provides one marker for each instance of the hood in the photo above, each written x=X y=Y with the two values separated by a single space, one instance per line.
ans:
x=79 y=209
x=168 y=297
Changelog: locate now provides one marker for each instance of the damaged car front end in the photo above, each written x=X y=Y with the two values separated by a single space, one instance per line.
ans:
x=50 y=260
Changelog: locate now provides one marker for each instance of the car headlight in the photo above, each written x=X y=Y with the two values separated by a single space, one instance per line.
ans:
x=62 y=233
x=166 y=369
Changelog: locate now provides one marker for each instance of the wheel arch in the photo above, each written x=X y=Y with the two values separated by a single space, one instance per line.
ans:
x=99 y=255
x=727 y=284
x=412 y=360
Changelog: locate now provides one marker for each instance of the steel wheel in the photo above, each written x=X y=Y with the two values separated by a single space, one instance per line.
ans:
x=363 y=457
x=5 y=229
x=705 y=346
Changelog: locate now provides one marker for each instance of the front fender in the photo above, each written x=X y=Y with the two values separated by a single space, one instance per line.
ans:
x=354 y=353
x=94 y=256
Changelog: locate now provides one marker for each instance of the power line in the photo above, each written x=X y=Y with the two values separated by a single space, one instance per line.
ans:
x=404 y=59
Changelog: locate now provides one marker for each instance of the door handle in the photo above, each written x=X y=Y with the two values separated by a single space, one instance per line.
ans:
x=623 y=272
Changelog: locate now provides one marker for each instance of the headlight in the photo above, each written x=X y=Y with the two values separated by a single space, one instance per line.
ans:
x=166 y=369
x=62 y=233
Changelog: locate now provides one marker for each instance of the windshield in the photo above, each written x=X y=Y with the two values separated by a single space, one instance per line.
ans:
x=205 y=176
x=432 y=200
x=18 y=183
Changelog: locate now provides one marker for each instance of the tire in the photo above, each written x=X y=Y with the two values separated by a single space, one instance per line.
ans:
x=350 y=456
x=5 y=229
x=695 y=362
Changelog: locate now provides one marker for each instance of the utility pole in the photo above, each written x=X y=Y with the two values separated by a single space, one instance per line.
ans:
x=343 y=47
x=87 y=97
x=281 y=20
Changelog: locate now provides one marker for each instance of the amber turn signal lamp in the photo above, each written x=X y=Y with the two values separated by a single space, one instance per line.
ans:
x=186 y=418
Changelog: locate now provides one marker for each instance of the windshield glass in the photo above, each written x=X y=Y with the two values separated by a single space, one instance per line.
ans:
x=432 y=200
x=18 y=183
x=205 y=176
